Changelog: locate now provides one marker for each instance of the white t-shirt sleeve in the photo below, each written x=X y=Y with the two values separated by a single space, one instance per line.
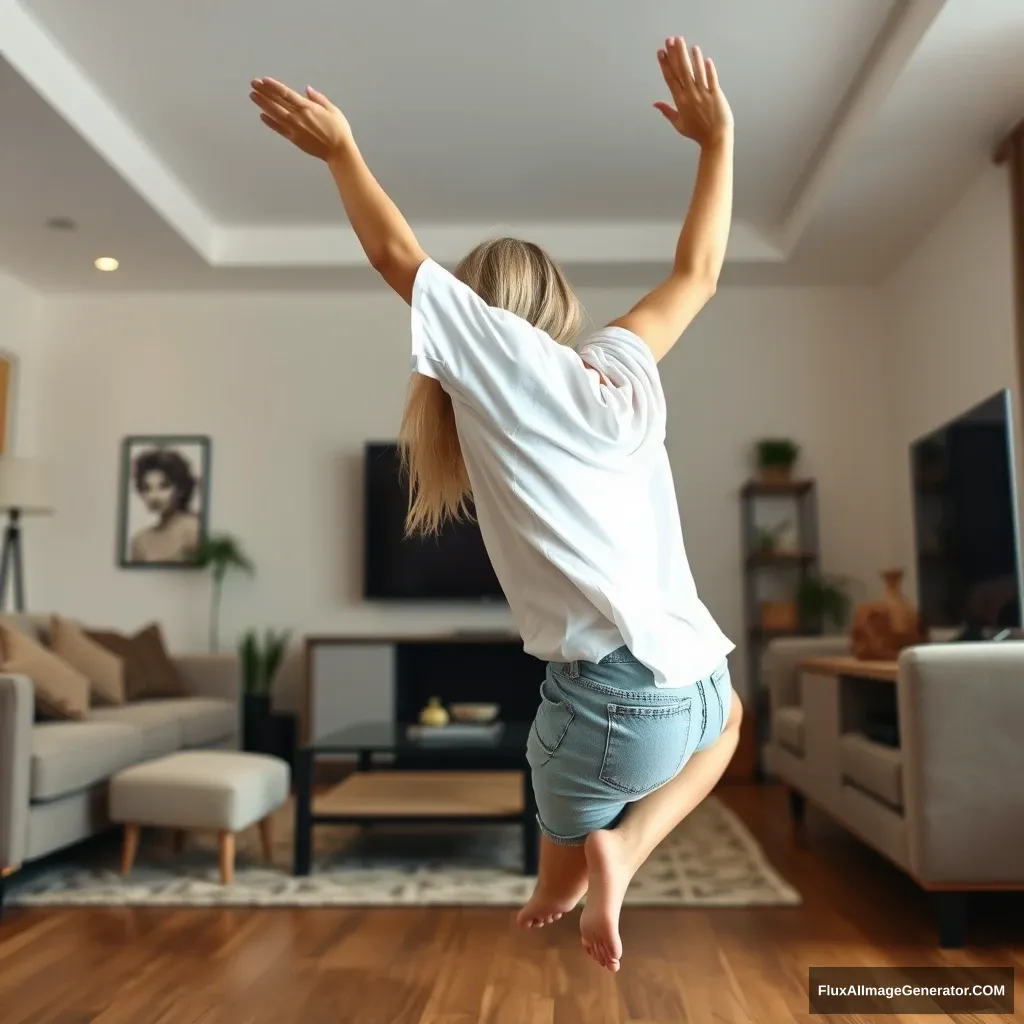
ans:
x=477 y=352
x=631 y=384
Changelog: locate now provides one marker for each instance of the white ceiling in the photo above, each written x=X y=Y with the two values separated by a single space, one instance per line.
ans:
x=858 y=123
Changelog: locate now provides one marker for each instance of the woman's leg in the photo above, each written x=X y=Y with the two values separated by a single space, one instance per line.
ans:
x=614 y=855
x=561 y=883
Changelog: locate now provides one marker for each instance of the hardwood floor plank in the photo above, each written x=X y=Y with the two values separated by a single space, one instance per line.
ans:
x=426 y=965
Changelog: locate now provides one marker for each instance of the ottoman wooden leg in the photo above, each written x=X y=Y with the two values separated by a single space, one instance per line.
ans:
x=267 y=838
x=227 y=857
x=130 y=848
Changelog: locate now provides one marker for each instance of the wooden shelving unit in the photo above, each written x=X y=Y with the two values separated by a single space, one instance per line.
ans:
x=790 y=567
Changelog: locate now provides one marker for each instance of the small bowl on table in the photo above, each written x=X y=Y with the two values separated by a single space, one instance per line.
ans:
x=474 y=714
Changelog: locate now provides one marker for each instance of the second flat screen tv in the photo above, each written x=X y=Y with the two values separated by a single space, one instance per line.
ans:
x=965 y=519
x=452 y=566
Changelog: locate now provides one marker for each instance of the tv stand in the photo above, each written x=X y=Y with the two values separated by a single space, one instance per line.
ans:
x=360 y=677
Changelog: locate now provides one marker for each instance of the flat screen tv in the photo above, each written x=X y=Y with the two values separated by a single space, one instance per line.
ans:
x=452 y=566
x=965 y=522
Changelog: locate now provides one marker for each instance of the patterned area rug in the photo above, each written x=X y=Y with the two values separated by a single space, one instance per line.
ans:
x=711 y=860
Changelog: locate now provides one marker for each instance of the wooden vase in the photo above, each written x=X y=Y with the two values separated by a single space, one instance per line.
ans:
x=881 y=629
x=780 y=616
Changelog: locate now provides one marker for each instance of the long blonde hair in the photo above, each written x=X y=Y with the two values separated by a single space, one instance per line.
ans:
x=506 y=273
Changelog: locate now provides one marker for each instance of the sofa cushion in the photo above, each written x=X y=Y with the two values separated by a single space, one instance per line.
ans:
x=70 y=756
x=788 y=728
x=35 y=626
x=872 y=767
x=204 y=720
x=149 y=669
x=60 y=690
x=159 y=726
x=103 y=668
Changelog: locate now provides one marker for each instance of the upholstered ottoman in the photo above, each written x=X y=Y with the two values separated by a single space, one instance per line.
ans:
x=200 y=790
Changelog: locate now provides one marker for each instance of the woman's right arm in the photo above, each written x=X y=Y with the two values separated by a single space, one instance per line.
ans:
x=319 y=128
x=701 y=113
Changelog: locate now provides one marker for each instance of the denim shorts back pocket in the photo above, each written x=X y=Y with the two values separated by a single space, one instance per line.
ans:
x=551 y=723
x=645 y=746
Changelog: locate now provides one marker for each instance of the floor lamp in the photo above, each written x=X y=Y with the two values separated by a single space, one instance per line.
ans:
x=24 y=491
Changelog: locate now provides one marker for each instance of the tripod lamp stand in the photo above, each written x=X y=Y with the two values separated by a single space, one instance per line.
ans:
x=24 y=491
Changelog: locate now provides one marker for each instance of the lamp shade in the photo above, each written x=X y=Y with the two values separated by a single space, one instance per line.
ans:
x=25 y=486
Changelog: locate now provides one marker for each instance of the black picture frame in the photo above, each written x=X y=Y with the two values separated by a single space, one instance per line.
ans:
x=183 y=459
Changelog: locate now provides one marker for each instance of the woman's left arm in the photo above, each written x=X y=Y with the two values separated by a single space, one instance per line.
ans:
x=317 y=127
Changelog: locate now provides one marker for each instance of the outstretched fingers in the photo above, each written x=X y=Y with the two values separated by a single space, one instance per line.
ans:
x=278 y=111
x=700 y=73
x=279 y=93
x=679 y=58
x=281 y=129
x=671 y=76
x=712 y=75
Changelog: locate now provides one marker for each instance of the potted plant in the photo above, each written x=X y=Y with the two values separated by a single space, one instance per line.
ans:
x=775 y=459
x=260 y=658
x=825 y=601
x=778 y=538
x=220 y=552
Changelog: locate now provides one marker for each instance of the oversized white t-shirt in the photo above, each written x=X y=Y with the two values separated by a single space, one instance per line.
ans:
x=571 y=482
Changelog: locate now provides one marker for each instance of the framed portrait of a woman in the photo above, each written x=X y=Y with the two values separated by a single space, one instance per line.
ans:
x=165 y=493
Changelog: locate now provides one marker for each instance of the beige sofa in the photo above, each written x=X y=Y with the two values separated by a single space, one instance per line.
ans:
x=947 y=804
x=53 y=775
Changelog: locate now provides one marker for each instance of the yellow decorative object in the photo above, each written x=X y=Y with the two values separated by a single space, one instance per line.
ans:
x=433 y=714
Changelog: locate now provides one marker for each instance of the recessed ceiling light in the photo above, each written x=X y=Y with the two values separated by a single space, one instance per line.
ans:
x=61 y=224
x=106 y=263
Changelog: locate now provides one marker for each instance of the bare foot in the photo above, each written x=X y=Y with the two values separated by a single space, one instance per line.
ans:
x=547 y=905
x=610 y=872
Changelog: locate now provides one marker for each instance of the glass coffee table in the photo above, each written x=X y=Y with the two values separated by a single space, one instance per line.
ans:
x=404 y=780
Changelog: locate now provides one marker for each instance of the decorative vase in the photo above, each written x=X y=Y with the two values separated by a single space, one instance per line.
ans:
x=881 y=629
x=433 y=714
x=780 y=616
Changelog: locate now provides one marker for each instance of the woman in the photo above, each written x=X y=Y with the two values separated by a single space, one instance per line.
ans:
x=165 y=483
x=562 y=450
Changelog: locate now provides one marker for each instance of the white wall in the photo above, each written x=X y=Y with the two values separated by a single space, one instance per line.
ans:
x=20 y=323
x=953 y=333
x=290 y=387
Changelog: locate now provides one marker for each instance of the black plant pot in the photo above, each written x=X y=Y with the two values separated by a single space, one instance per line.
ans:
x=286 y=735
x=257 y=724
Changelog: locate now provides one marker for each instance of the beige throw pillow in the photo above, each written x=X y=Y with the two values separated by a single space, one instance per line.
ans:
x=104 y=669
x=61 y=691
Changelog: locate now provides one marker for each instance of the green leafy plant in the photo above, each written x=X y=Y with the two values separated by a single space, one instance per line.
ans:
x=220 y=553
x=768 y=540
x=776 y=453
x=261 y=657
x=825 y=599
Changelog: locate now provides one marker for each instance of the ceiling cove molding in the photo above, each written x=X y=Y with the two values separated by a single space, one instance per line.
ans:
x=41 y=61
x=581 y=244
x=45 y=66
x=901 y=35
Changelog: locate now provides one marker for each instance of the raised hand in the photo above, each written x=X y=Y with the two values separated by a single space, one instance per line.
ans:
x=311 y=122
x=701 y=111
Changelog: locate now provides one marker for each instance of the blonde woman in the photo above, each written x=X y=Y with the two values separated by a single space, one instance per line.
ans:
x=562 y=449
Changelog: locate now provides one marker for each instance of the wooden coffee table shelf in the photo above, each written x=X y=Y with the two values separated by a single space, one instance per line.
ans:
x=401 y=794
x=410 y=782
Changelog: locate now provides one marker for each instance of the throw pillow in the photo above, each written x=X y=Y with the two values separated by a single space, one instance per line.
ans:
x=104 y=669
x=149 y=670
x=61 y=691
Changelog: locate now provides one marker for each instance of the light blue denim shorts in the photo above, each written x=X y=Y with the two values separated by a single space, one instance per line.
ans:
x=605 y=735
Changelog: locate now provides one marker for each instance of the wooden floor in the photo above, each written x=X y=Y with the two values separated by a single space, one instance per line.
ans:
x=449 y=966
